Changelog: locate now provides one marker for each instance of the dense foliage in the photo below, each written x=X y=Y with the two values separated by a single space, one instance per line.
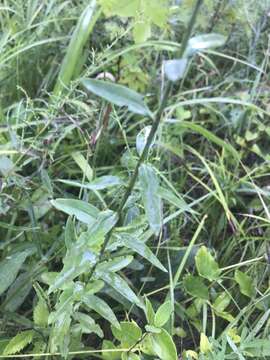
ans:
x=134 y=177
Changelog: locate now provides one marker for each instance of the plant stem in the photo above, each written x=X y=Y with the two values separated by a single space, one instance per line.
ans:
x=150 y=138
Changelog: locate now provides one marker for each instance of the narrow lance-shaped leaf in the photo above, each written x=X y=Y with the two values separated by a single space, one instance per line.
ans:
x=80 y=209
x=142 y=249
x=100 y=183
x=117 y=95
x=101 y=307
x=75 y=48
x=204 y=42
x=9 y=269
x=149 y=186
x=121 y=286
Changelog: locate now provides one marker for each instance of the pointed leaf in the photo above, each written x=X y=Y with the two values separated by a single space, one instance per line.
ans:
x=100 y=183
x=80 y=209
x=245 y=283
x=83 y=164
x=149 y=185
x=9 y=269
x=139 y=247
x=195 y=286
x=206 y=265
x=204 y=42
x=128 y=334
x=117 y=95
x=163 y=314
x=142 y=138
x=70 y=235
x=101 y=307
x=19 y=342
x=164 y=346
x=120 y=285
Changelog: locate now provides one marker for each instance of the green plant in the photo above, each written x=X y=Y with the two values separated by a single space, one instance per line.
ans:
x=134 y=226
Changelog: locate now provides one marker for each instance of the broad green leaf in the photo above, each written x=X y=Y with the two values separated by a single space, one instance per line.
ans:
x=120 y=7
x=195 y=286
x=110 y=355
x=9 y=269
x=101 y=307
x=121 y=286
x=149 y=185
x=100 y=183
x=117 y=95
x=164 y=346
x=206 y=265
x=139 y=247
x=80 y=209
x=19 y=342
x=163 y=314
x=83 y=164
x=175 y=69
x=141 y=31
x=41 y=314
x=205 y=345
x=245 y=283
x=128 y=334
x=204 y=42
x=222 y=301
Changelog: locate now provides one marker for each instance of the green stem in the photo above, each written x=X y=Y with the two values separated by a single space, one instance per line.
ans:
x=151 y=136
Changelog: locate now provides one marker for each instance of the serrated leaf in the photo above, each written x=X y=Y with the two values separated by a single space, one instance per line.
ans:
x=80 y=209
x=163 y=314
x=9 y=269
x=118 y=95
x=195 y=286
x=164 y=346
x=139 y=247
x=245 y=283
x=100 y=183
x=204 y=42
x=19 y=342
x=101 y=307
x=128 y=334
x=41 y=314
x=206 y=265
x=175 y=69
x=121 y=286
x=149 y=185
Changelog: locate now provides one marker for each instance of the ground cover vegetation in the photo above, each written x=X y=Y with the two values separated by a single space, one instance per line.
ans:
x=134 y=177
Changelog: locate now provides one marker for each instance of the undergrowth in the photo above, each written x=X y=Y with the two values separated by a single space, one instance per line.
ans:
x=134 y=164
